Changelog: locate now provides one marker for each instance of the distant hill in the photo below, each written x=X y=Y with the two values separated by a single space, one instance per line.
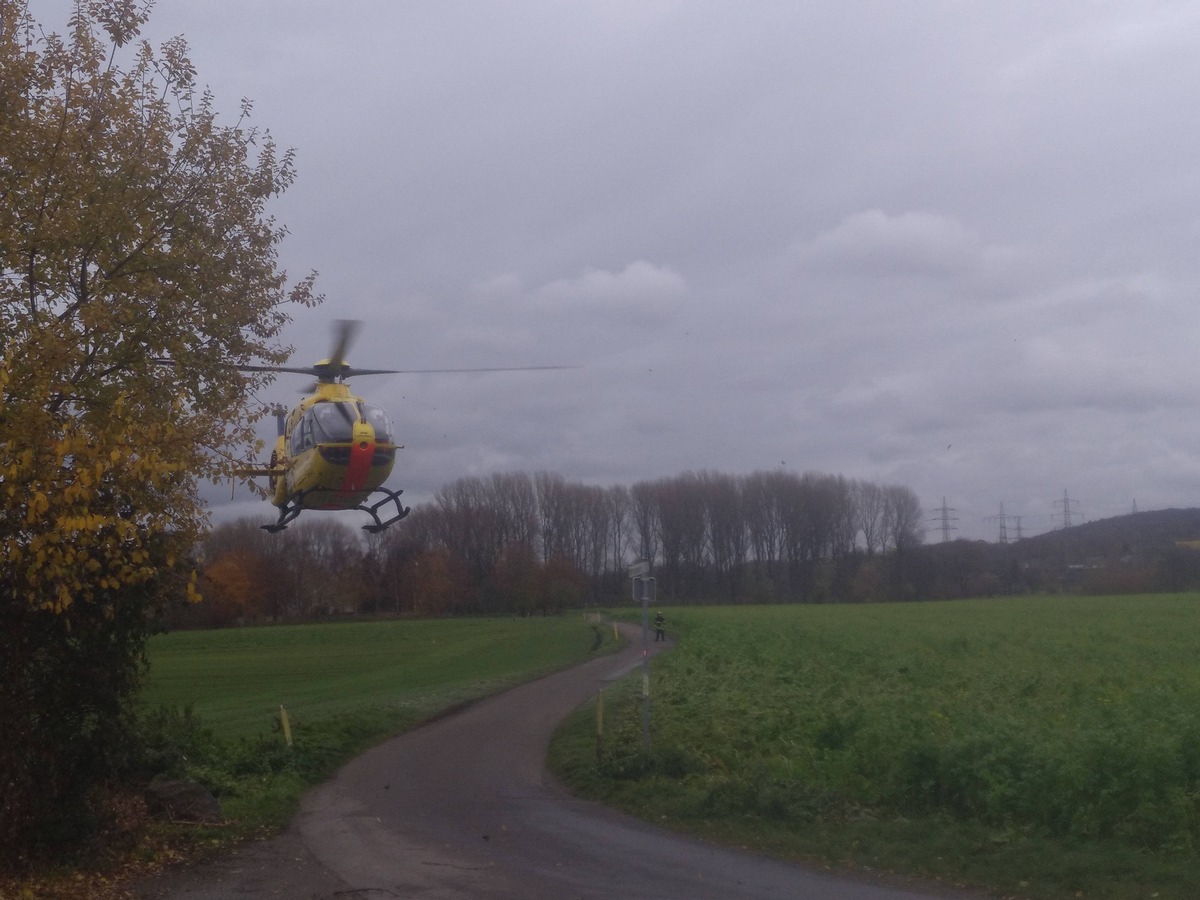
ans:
x=1141 y=552
x=1136 y=535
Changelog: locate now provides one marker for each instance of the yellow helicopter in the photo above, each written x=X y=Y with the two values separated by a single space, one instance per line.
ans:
x=335 y=450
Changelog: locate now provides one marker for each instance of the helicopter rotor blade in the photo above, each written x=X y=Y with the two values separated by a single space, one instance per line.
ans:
x=292 y=370
x=336 y=369
x=347 y=330
x=351 y=373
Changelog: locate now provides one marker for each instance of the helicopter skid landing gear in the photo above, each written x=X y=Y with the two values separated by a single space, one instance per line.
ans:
x=373 y=510
x=287 y=514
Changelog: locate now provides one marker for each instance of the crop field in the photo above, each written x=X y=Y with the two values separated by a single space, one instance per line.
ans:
x=211 y=703
x=1043 y=747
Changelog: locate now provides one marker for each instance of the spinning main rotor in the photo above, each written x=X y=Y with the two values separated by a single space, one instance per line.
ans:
x=336 y=370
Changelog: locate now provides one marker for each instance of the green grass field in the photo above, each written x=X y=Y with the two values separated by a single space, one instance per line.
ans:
x=1041 y=746
x=212 y=698
x=237 y=679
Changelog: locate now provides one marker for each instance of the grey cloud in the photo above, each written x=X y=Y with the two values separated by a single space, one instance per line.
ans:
x=909 y=244
x=841 y=234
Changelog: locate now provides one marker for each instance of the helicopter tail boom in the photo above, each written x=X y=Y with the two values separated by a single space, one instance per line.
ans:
x=264 y=472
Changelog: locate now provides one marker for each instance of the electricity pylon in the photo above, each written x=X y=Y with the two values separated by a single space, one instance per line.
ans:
x=1003 y=520
x=1067 y=505
x=945 y=518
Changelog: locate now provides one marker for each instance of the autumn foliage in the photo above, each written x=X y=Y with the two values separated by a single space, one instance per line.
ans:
x=136 y=265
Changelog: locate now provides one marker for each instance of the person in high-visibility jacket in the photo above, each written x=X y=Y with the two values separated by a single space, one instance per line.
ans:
x=660 y=627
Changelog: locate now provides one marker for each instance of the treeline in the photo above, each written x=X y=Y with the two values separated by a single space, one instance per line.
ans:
x=520 y=543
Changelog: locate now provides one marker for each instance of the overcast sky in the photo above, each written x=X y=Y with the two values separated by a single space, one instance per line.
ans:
x=949 y=245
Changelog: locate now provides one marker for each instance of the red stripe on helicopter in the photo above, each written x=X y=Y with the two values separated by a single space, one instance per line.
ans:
x=361 y=455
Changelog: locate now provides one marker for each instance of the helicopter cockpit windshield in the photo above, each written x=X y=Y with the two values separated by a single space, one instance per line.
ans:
x=325 y=423
x=333 y=423
x=378 y=420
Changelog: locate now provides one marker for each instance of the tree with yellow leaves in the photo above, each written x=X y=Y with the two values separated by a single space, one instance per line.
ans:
x=138 y=267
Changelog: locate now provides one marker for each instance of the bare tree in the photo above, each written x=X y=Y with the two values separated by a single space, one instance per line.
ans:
x=597 y=511
x=761 y=493
x=682 y=532
x=469 y=521
x=554 y=514
x=327 y=556
x=870 y=502
x=905 y=531
x=727 y=534
x=515 y=506
x=903 y=522
x=645 y=518
x=702 y=531
x=619 y=533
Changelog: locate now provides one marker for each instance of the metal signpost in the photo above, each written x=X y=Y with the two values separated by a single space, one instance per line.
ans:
x=643 y=592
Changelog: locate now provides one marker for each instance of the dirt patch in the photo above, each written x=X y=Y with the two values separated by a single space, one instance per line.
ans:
x=276 y=867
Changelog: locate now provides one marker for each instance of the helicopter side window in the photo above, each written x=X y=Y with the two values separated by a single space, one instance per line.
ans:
x=302 y=434
x=378 y=419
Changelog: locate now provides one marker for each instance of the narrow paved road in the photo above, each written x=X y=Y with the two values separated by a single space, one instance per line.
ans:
x=462 y=808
